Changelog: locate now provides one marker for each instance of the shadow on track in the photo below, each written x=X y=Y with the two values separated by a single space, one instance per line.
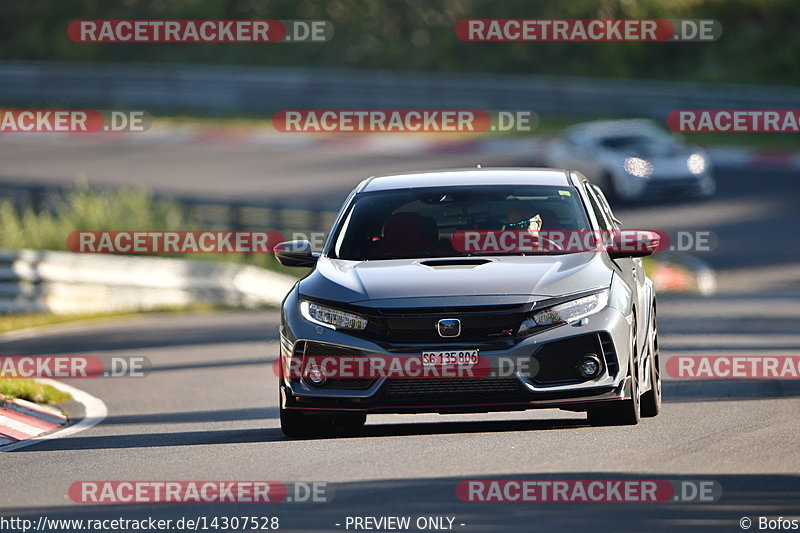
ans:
x=157 y=440
x=743 y=495
x=722 y=390
x=201 y=438
x=221 y=415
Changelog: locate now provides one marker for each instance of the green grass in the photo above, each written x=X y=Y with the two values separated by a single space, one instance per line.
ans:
x=28 y=389
x=85 y=209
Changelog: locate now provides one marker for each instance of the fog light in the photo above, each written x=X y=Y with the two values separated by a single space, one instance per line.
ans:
x=589 y=366
x=315 y=375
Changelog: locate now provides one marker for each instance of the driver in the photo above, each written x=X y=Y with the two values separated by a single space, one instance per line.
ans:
x=519 y=218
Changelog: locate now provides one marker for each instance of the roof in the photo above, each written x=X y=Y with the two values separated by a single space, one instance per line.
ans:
x=472 y=176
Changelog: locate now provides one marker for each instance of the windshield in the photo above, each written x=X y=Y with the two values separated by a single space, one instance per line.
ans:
x=638 y=142
x=432 y=222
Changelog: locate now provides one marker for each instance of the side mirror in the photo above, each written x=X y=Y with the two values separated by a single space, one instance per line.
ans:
x=295 y=254
x=635 y=243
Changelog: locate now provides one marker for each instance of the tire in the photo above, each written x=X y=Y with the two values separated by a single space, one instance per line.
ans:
x=620 y=412
x=296 y=424
x=651 y=400
x=350 y=422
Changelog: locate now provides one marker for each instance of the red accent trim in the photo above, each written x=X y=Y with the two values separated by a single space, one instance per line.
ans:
x=27 y=419
x=12 y=434
x=456 y=406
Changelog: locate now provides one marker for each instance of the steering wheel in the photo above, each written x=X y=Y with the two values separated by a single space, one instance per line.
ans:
x=557 y=245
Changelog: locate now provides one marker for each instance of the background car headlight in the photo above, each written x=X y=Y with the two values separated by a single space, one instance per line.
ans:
x=330 y=317
x=565 y=312
x=636 y=166
x=696 y=164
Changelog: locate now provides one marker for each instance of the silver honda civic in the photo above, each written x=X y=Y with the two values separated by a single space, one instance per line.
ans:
x=467 y=291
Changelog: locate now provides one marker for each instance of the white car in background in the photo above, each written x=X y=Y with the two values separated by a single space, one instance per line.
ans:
x=633 y=159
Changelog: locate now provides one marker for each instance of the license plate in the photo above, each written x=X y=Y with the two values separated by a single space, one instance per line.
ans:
x=450 y=357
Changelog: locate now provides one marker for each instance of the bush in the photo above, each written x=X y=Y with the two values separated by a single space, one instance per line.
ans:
x=85 y=209
x=27 y=389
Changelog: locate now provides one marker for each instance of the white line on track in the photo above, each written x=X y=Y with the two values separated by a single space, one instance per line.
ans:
x=95 y=409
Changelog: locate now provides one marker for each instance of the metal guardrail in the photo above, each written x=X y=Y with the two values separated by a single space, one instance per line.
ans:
x=206 y=88
x=67 y=283
x=63 y=282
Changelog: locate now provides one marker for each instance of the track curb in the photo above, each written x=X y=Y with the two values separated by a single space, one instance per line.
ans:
x=94 y=411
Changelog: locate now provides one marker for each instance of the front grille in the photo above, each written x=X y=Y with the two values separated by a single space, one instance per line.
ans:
x=670 y=187
x=453 y=391
x=346 y=383
x=419 y=326
x=431 y=335
x=319 y=349
x=555 y=362
x=609 y=354
x=450 y=311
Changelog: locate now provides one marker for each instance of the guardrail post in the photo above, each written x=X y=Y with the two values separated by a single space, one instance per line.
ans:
x=276 y=222
x=236 y=217
x=316 y=219
x=38 y=198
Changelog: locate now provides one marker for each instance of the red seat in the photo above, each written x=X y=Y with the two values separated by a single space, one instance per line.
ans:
x=407 y=235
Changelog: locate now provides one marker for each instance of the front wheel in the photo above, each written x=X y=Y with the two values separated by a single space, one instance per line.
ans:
x=620 y=412
x=294 y=423
x=651 y=400
x=350 y=422
x=297 y=424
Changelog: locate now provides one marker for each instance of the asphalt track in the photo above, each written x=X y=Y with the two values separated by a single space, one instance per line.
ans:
x=208 y=409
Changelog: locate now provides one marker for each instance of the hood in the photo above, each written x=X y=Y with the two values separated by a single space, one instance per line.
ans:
x=516 y=279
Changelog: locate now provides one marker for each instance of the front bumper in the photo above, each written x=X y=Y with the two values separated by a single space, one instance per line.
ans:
x=510 y=386
x=667 y=187
x=695 y=186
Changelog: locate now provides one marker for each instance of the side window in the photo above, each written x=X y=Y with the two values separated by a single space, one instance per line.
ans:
x=606 y=209
x=578 y=140
x=598 y=211
x=572 y=139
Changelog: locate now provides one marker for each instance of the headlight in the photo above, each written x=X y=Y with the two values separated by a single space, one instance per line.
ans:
x=565 y=312
x=696 y=164
x=331 y=318
x=636 y=166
